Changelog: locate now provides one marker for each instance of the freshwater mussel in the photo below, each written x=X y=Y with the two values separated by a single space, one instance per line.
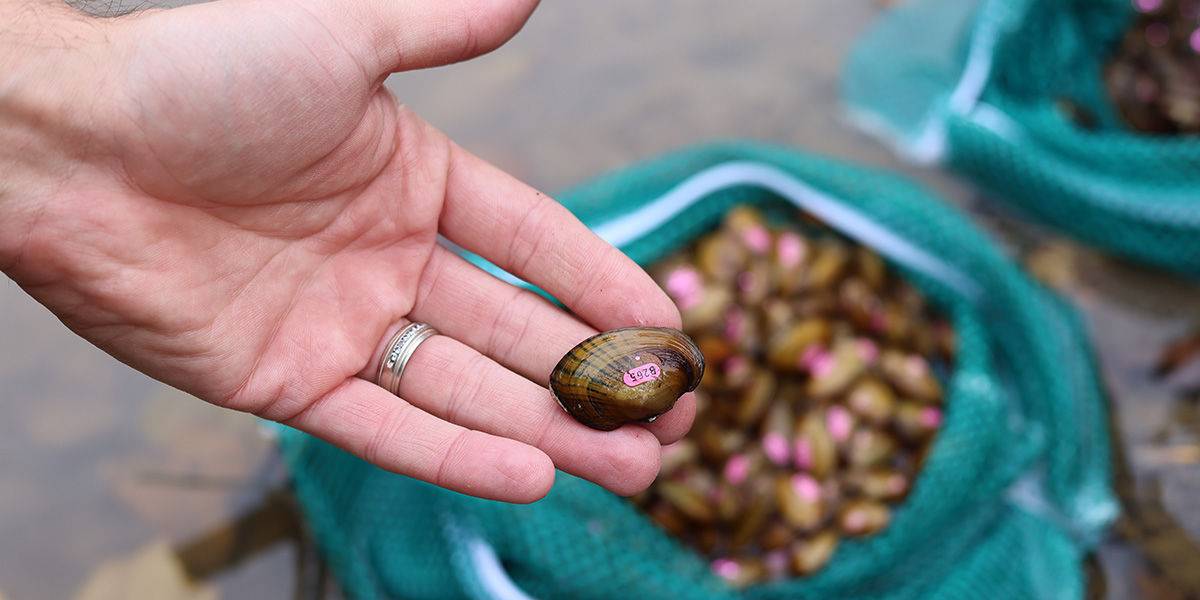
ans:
x=626 y=375
x=1154 y=76
x=823 y=394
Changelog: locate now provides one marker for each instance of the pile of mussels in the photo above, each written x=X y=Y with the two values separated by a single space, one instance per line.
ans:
x=819 y=403
x=1155 y=76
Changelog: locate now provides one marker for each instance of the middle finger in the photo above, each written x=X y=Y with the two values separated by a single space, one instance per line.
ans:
x=520 y=329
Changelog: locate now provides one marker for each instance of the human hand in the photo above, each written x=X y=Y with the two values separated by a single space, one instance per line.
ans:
x=225 y=197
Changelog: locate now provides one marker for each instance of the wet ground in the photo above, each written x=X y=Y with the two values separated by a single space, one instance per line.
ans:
x=108 y=478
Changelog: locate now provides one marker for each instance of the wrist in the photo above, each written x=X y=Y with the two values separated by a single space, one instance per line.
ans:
x=44 y=111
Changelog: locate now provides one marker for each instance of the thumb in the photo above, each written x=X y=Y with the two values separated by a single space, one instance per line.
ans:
x=399 y=35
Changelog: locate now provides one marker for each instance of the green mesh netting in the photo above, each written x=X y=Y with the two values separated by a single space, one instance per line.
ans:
x=1014 y=491
x=979 y=85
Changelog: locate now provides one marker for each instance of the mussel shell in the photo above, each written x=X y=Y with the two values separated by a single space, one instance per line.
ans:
x=811 y=553
x=863 y=517
x=626 y=375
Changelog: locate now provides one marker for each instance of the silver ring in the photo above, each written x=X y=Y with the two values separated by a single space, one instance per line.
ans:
x=398 y=351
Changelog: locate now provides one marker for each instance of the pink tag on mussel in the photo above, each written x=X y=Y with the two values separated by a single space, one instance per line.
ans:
x=686 y=285
x=775 y=446
x=642 y=373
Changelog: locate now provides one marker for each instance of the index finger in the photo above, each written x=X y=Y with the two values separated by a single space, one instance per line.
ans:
x=532 y=236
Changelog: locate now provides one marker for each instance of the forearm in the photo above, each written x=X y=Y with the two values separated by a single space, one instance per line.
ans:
x=45 y=112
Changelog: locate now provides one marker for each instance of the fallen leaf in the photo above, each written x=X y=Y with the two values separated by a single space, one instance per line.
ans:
x=1055 y=264
x=1177 y=353
x=1176 y=454
x=153 y=572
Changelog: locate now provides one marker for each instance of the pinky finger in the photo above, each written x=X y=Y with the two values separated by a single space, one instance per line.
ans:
x=371 y=423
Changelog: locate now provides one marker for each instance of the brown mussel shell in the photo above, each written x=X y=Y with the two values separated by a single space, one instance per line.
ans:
x=626 y=375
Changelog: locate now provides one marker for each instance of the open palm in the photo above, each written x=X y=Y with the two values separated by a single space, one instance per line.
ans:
x=250 y=214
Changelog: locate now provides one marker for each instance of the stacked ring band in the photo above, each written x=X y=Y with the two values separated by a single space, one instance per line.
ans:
x=397 y=353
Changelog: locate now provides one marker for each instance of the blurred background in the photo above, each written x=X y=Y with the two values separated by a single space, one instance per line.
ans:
x=107 y=476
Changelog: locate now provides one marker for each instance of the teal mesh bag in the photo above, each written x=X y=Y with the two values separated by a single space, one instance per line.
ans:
x=979 y=84
x=1015 y=490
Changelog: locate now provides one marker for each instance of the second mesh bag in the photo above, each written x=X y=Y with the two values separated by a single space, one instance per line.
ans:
x=992 y=88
